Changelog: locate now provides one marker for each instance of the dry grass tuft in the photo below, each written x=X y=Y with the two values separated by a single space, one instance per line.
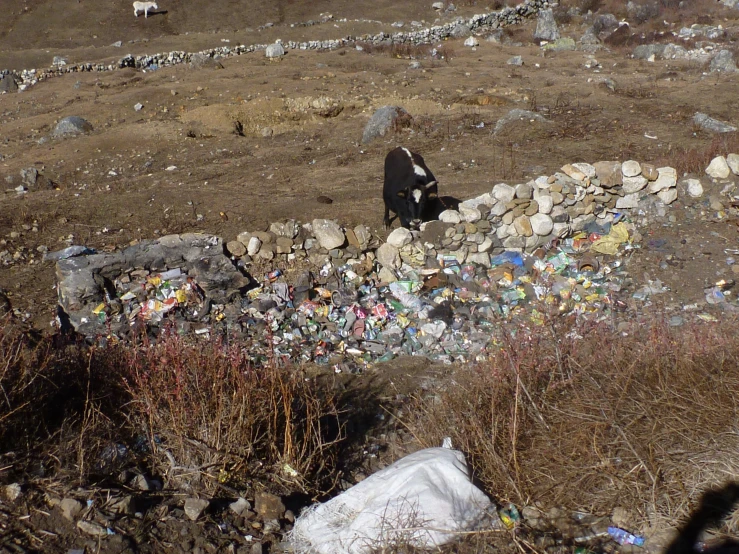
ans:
x=696 y=160
x=591 y=420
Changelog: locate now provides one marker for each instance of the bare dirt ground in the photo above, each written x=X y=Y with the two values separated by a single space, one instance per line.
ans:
x=227 y=150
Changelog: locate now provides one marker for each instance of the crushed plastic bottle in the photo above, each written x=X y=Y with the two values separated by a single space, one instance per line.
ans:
x=624 y=537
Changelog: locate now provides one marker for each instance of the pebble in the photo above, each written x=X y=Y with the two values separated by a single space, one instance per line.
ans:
x=194 y=507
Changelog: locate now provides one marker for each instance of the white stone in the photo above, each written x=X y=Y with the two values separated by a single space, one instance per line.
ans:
x=561 y=230
x=471 y=41
x=486 y=245
x=194 y=507
x=571 y=171
x=695 y=188
x=328 y=233
x=628 y=201
x=388 y=256
x=542 y=224
x=502 y=231
x=634 y=184
x=545 y=204
x=718 y=168
x=400 y=237
x=450 y=216
x=733 y=161
x=499 y=208
x=275 y=50
x=386 y=275
x=470 y=215
x=667 y=179
x=630 y=168
x=587 y=169
x=504 y=193
x=668 y=196
x=486 y=199
x=542 y=182
x=438 y=5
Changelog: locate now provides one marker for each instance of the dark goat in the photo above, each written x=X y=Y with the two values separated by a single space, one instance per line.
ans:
x=409 y=184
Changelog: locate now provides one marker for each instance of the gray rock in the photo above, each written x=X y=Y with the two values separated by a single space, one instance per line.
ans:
x=383 y=120
x=70 y=508
x=694 y=188
x=628 y=201
x=8 y=84
x=91 y=528
x=252 y=248
x=608 y=173
x=631 y=168
x=204 y=61
x=605 y=23
x=733 y=161
x=667 y=179
x=545 y=203
x=138 y=107
x=481 y=258
x=524 y=191
x=469 y=214
x=328 y=233
x=668 y=196
x=646 y=51
x=634 y=184
x=515 y=60
x=235 y=248
x=240 y=506
x=275 y=50
x=400 y=237
x=718 y=168
x=504 y=193
x=194 y=507
x=518 y=114
x=388 y=256
x=29 y=176
x=723 y=62
x=363 y=236
x=710 y=124
x=70 y=126
x=541 y=224
x=546 y=26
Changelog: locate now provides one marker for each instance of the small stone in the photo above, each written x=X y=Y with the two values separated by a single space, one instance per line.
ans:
x=400 y=237
x=486 y=245
x=388 y=256
x=532 y=208
x=70 y=508
x=235 y=248
x=718 y=168
x=275 y=50
x=384 y=120
x=634 y=184
x=138 y=107
x=524 y=191
x=471 y=42
x=240 y=506
x=194 y=507
x=386 y=276
x=708 y=123
x=515 y=60
x=328 y=233
x=630 y=168
x=72 y=125
x=628 y=201
x=695 y=188
x=269 y=506
x=649 y=171
x=667 y=178
x=481 y=258
x=571 y=171
x=545 y=204
x=363 y=236
x=557 y=198
x=450 y=216
x=13 y=490
x=668 y=196
x=586 y=169
x=254 y=245
x=541 y=224
x=91 y=528
x=733 y=161
x=438 y=5
x=522 y=224
x=284 y=245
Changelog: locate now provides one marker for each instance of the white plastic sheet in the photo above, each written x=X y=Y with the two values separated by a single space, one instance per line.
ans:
x=423 y=500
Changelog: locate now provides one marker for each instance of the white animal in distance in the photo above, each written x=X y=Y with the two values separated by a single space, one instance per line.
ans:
x=144 y=7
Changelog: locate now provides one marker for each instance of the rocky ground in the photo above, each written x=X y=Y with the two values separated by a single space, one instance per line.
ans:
x=230 y=146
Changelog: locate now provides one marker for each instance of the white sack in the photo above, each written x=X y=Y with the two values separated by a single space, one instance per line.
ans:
x=421 y=500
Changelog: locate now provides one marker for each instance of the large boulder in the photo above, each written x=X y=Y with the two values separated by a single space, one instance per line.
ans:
x=384 y=120
x=546 y=26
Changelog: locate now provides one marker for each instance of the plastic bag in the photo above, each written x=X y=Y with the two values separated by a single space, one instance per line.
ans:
x=421 y=500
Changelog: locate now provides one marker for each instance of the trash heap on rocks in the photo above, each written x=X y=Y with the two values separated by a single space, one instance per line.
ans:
x=342 y=297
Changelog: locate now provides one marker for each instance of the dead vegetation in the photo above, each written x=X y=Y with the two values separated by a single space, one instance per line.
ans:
x=591 y=420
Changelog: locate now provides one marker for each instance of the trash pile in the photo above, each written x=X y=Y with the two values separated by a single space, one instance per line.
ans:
x=341 y=297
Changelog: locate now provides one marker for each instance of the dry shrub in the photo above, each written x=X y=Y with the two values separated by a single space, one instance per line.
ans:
x=696 y=160
x=589 y=419
x=209 y=412
x=397 y=50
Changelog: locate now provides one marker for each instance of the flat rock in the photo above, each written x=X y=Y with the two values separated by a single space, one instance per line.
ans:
x=400 y=237
x=631 y=168
x=668 y=196
x=328 y=233
x=634 y=184
x=710 y=124
x=718 y=168
x=586 y=169
x=194 y=507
